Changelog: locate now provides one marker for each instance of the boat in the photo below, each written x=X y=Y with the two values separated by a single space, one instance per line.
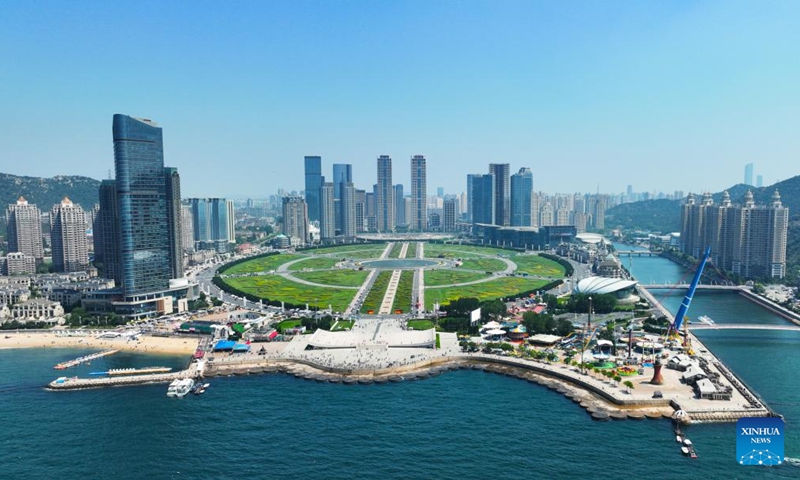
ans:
x=685 y=450
x=687 y=442
x=692 y=453
x=706 y=320
x=179 y=388
x=678 y=439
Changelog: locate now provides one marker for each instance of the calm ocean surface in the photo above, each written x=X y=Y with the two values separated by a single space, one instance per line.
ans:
x=463 y=424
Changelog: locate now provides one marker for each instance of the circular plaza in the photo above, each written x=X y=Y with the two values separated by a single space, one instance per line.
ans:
x=387 y=278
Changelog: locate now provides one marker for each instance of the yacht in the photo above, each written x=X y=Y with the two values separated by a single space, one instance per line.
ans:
x=179 y=388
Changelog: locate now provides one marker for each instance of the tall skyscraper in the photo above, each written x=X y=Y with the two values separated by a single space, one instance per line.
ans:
x=68 y=237
x=24 y=229
x=213 y=224
x=521 y=190
x=384 y=195
x=342 y=175
x=106 y=233
x=174 y=224
x=327 y=212
x=748 y=174
x=187 y=229
x=419 y=194
x=361 y=211
x=449 y=215
x=502 y=192
x=314 y=181
x=144 y=231
x=399 y=206
x=759 y=181
x=483 y=198
x=295 y=219
x=349 y=214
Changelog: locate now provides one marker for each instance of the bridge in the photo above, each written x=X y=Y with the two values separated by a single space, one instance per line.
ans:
x=743 y=326
x=684 y=286
x=637 y=253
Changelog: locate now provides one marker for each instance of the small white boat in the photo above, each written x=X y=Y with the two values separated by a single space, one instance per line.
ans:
x=687 y=442
x=705 y=320
x=679 y=439
x=685 y=450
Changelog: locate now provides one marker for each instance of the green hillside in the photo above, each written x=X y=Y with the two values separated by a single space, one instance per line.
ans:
x=46 y=192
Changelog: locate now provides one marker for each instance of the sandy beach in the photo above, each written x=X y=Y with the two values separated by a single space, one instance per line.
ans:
x=169 y=345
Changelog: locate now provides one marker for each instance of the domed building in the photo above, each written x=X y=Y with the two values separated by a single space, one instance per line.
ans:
x=624 y=290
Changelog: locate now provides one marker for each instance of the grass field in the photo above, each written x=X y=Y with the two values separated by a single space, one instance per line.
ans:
x=376 y=294
x=452 y=251
x=352 y=251
x=483 y=264
x=499 y=288
x=344 y=278
x=277 y=288
x=289 y=323
x=402 y=298
x=536 y=265
x=395 y=253
x=315 y=263
x=264 y=264
x=434 y=278
x=412 y=250
x=420 y=324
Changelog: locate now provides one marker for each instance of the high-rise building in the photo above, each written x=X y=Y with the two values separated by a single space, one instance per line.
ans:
x=137 y=216
x=314 y=181
x=68 y=237
x=399 y=206
x=174 y=224
x=187 y=229
x=521 y=190
x=384 y=195
x=759 y=181
x=106 y=233
x=17 y=263
x=748 y=174
x=469 y=197
x=295 y=219
x=546 y=215
x=213 y=223
x=361 y=211
x=24 y=229
x=502 y=192
x=449 y=215
x=748 y=239
x=440 y=192
x=342 y=175
x=348 y=204
x=419 y=186
x=483 y=199
x=144 y=231
x=327 y=212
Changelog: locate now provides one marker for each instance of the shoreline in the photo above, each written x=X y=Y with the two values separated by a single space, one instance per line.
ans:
x=144 y=344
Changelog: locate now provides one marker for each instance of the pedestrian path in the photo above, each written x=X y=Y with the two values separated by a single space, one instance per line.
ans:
x=355 y=304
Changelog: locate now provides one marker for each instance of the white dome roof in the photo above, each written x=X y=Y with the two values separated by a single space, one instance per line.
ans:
x=601 y=285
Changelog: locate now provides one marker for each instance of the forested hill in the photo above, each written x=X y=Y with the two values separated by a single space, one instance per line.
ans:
x=46 y=192
x=665 y=215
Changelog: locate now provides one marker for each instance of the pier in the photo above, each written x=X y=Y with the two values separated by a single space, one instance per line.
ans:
x=87 y=358
x=74 y=383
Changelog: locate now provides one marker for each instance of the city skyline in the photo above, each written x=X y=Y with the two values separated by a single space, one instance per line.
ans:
x=600 y=88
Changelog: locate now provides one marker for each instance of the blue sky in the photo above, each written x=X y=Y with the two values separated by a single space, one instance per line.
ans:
x=660 y=95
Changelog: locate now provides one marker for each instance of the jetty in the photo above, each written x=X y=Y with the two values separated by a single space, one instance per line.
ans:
x=133 y=371
x=194 y=370
x=84 y=359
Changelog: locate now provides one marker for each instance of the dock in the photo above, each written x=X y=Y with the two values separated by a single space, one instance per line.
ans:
x=84 y=359
x=133 y=371
x=74 y=383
